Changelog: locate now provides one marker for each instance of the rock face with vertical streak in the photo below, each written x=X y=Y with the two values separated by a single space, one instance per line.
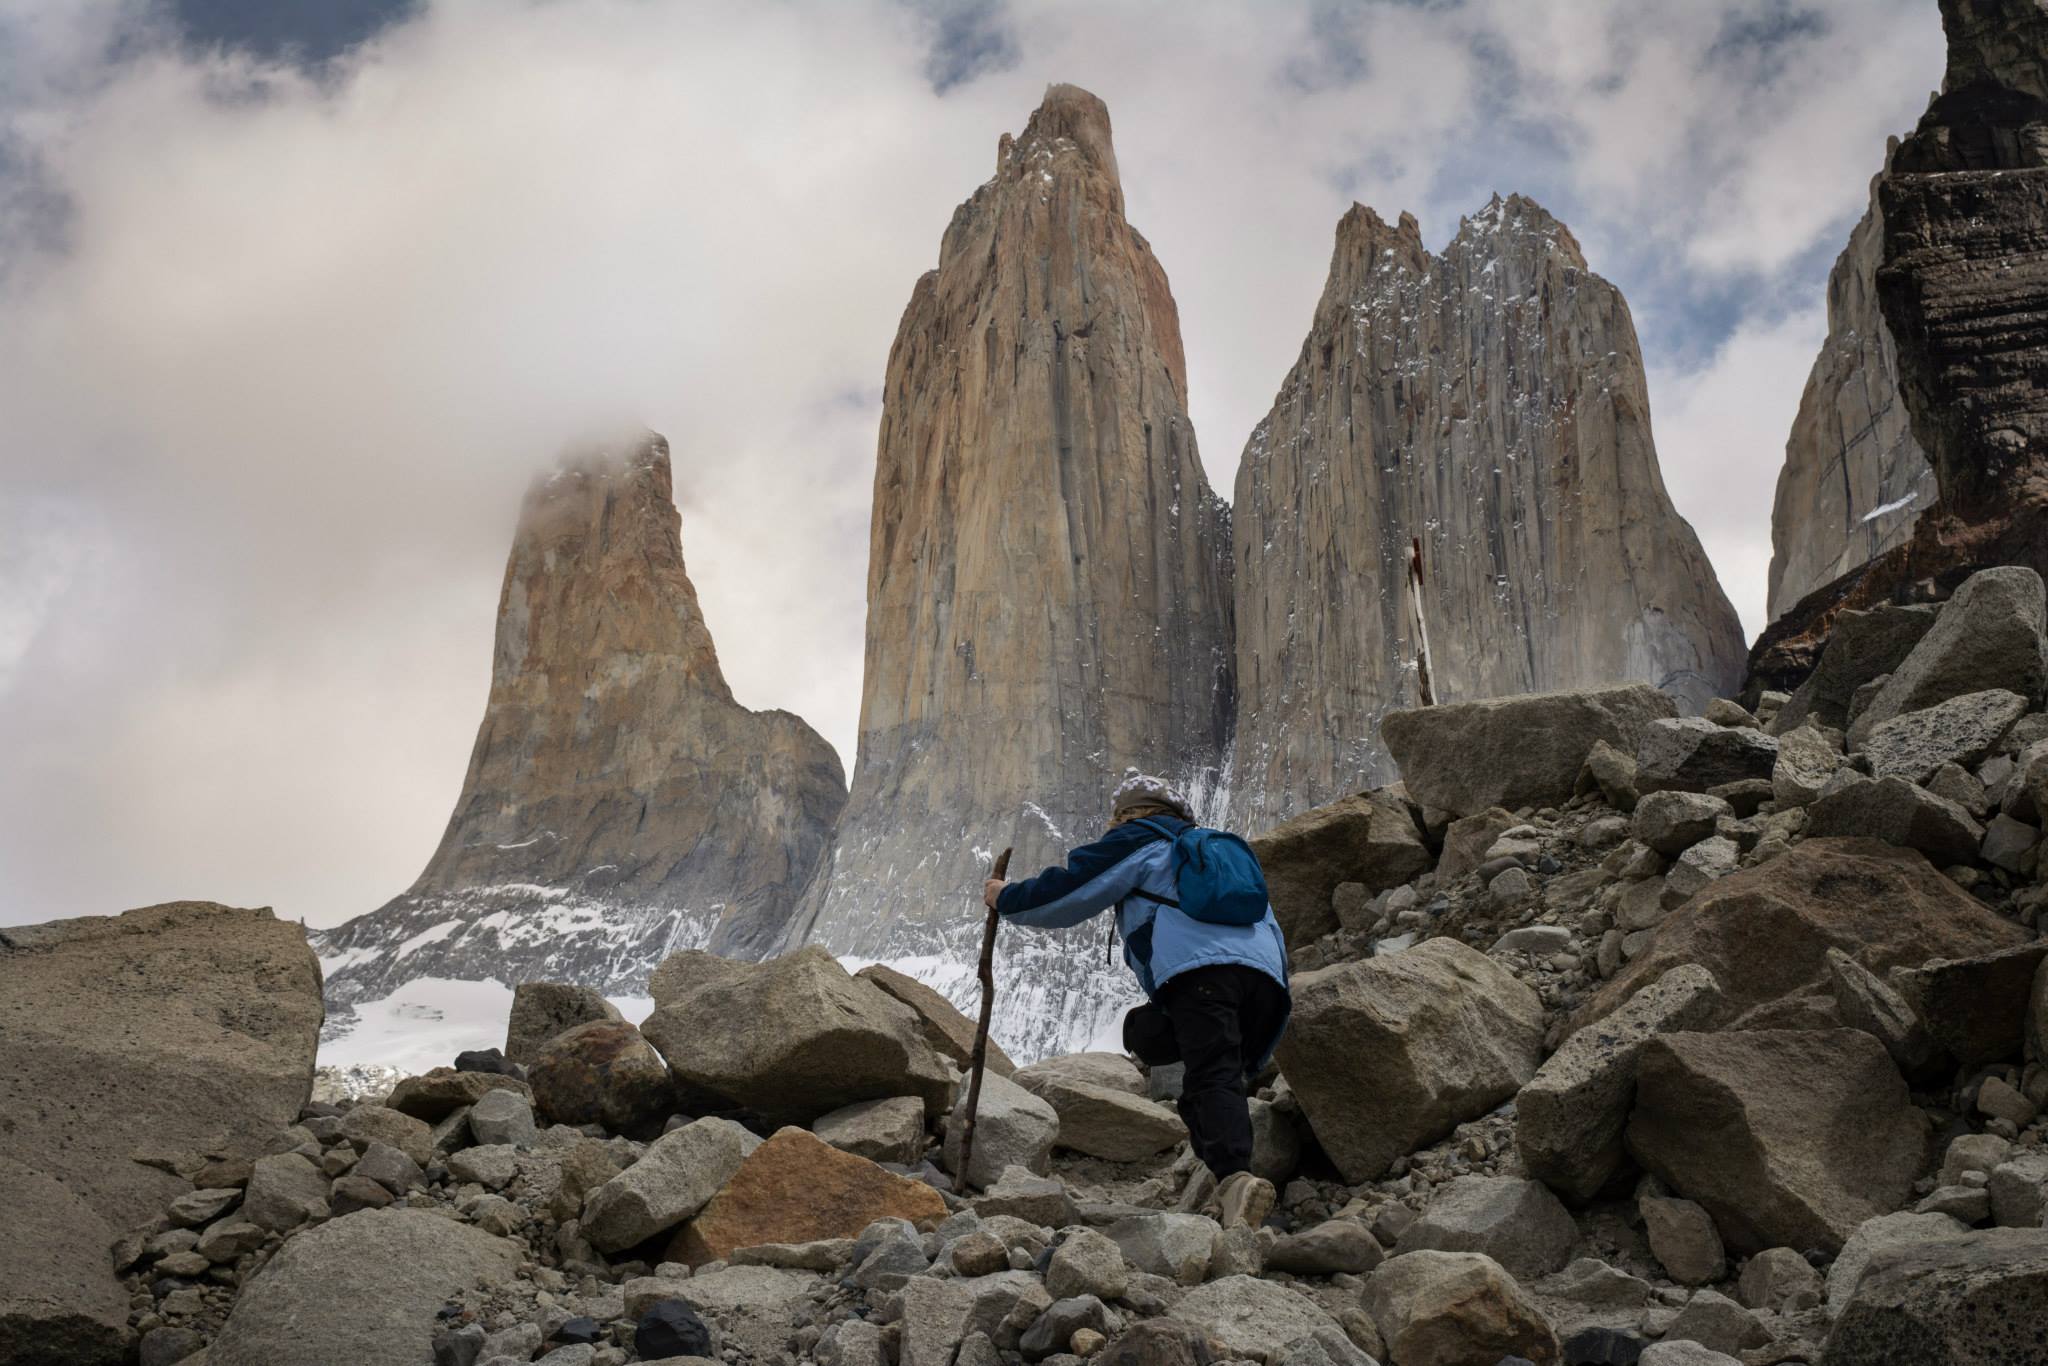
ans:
x=1049 y=573
x=1854 y=479
x=1491 y=401
x=619 y=803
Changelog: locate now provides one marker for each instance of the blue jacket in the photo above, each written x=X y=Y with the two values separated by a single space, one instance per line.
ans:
x=1159 y=941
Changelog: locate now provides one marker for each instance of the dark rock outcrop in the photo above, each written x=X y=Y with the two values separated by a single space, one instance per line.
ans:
x=1490 y=401
x=619 y=803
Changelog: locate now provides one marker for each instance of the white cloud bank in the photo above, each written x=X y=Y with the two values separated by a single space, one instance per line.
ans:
x=273 y=380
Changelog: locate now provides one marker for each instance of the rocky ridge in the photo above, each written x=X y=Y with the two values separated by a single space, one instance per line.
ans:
x=619 y=804
x=1491 y=402
x=1048 y=575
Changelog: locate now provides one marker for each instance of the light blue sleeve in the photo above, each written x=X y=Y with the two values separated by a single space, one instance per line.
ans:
x=1091 y=898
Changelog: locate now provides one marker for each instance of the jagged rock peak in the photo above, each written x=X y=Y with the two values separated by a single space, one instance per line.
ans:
x=1490 y=400
x=619 y=803
x=1048 y=574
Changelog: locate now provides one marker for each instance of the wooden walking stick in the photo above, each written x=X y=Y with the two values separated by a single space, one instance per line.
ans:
x=986 y=972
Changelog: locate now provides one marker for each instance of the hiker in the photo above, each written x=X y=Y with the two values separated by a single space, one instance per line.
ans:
x=1217 y=992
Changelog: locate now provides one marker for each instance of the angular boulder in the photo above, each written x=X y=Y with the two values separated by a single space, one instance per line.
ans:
x=1897 y=812
x=945 y=1028
x=1464 y=757
x=1111 y=1070
x=889 y=1130
x=1976 y=1007
x=1963 y=731
x=674 y=1178
x=1692 y=754
x=59 y=1301
x=1368 y=838
x=1973 y=1298
x=603 y=1072
x=362 y=1290
x=1988 y=635
x=1456 y=1309
x=1176 y=1246
x=185 y=1028
x=541 y=1010
x=1876 y=1237
x=1105 y=1123
x=1012 y=1128
x=1249 y=1317
x=1518 y=1223
x=433 y=1096
x=1861 y=646
x=796 y=1188
x=1764 y=932
x=1786 y=1137
x=794 y=1038
x=1672 y=822
x=1393 y=1052
x=1570 y=1118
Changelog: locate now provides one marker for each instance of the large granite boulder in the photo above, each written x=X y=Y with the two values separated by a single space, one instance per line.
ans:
x=1368 y=838
x=1973 y=1298
x=1976 y=1008
x=1789 y=1138
x=1861 y=646
x=1897 y=812
x=794 y=1038
x=945 y=1028
x=1693 y=754
x=1876 y=1237
x=674 y=1178
x=1518 y=1223
x=1249 y=1317
x=1464 y=757
x=176 y=1030
x=59 y=1302
x=604 y=1072
x=1963 y=730
x=361 y=1290
x=1764 y=932
x=1012 y=1128
x=1570 y=1118
x=1107 y=1123
x=1393 y=1052
x=796 y=1188
x=1456 y=1309
x=541 y=1010
x=1988 y=635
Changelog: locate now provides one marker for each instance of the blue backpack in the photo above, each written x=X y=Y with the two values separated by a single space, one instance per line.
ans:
x=1217 y=875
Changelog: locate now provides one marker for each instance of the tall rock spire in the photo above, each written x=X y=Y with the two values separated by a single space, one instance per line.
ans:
x=1491 y=402
x=619 y=803
x=1048 y=573
x=1854 y=479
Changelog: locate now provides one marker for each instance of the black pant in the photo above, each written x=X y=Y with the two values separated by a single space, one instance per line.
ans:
x=1219 y=1021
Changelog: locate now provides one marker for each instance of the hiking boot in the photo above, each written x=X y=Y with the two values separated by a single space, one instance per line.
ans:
x=1243 y=1199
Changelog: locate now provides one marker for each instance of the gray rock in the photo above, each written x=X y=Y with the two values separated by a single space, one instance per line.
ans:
x=1446 y=1308
x=1780 y=1280
x=202 y=1206
x=945 y=1028
x=1276 y=1142
x=1611 y=773
x=2007 y=843
x=1535 y=744
x=1961 y=730
x=1881 y=1234
x=1327 y=1249
x=749 y=1307
x=1176 y=1246
x=362 y=1290
x=367 y=1124
x=284 y=1191
x=1897 y=812
x=1369 y=838
x=1005 y=1305
x=1393 y=1052
x=1683 y=1240
x=1247 y=1317
x=1570 y=1118
x=1054 y=1329
x=59 y=1300
x=1323 y=1347
x=794 y=1038
x=890 y=1130
x=1786 y=1137
x=1714 y=1321
x=1703 y=863
x=1538 y=940
x=503 y=1117
x=1988 y=635
x=2019 y=1190
x=1087 y=1263
x=1864 y=1001
x=2037 y=1016
x=674 y=1178
x=1672 y=822
x=229 y=1239
x=933 y=1322
x=1861 y=646
x=1965 y=1204
x=168 y=1345
x=493 y=1166
x=1806 y=760
x=1111 y=1071
x=1684 y=1353
x=1976 y=1008
x=1692 y=754
x=389 y=1168
x=1518 y=1223
x=1954 y=1301
x=1022 y=1194
x=1116 y=1125
x=1012 y=1128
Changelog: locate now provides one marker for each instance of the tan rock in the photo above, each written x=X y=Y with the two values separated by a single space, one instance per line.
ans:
x=945 y=1028
x=1035 y=448
x=1424 y=404
x=1369 y=838
x=796 y=1188
x=1456 y=1309
x=439 y=1093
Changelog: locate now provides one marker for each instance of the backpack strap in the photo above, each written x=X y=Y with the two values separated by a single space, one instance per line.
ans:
x=1170 y=838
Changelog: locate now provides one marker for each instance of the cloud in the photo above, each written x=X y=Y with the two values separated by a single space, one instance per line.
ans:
x=283 y=343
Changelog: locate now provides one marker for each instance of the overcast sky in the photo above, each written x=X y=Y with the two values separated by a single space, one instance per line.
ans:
x=295 y=298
